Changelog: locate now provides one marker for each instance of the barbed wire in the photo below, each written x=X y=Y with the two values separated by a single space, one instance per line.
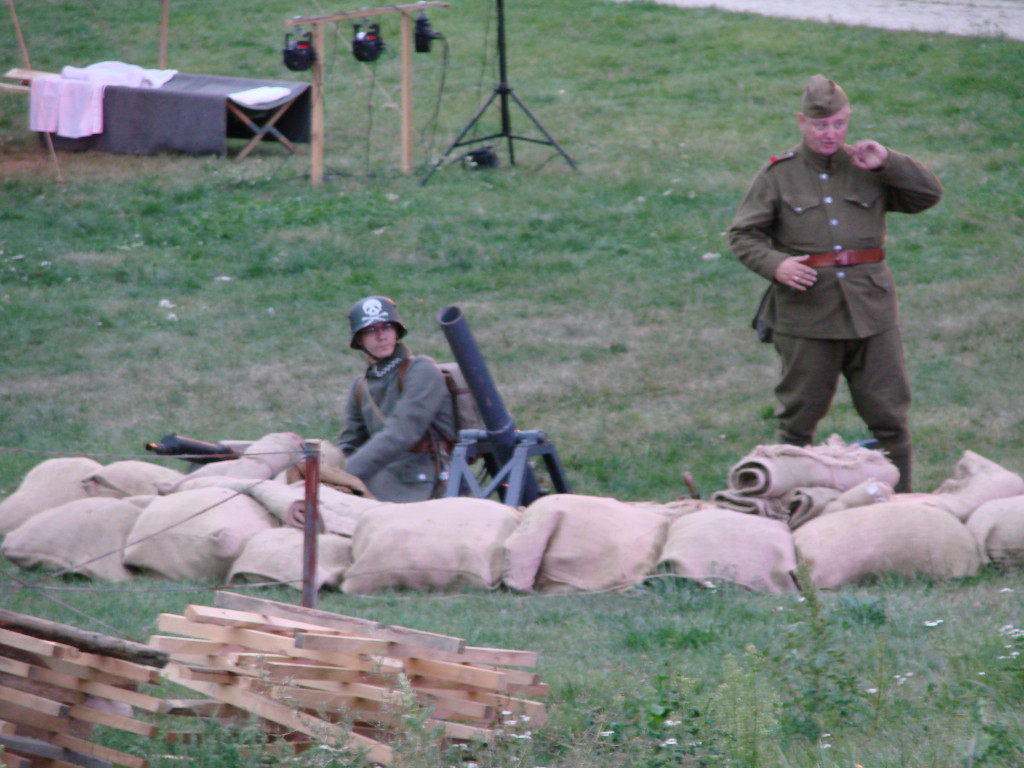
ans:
x=40 y=587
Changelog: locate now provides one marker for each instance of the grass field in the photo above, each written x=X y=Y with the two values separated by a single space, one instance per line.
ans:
x=146 y=295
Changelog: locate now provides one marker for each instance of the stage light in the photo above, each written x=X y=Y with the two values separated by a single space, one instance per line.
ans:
x=367 y=46
x=299 y=53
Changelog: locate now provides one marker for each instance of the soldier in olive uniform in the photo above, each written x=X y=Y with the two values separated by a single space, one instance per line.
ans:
x=813 y=223
x=399 y=418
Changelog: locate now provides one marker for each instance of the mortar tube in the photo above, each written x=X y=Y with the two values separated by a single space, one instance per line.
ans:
x=501 y=429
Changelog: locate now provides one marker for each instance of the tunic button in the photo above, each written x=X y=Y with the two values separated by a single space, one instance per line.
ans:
x=799 y=210
x=828 y=200
x=837 y=247
x=823 y=176
x=841 y=275
x=834 y=222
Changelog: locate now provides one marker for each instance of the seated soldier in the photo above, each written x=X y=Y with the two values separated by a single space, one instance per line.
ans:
x=399 y=418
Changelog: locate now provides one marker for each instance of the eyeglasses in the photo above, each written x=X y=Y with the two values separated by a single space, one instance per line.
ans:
x=379 y=329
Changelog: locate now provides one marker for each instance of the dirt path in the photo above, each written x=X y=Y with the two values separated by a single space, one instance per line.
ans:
x=976 y=18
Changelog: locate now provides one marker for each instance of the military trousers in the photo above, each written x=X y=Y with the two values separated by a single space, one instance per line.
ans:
x=876 y=374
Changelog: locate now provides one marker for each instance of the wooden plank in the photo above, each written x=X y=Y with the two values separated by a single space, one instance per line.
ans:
x=23 y=716
x=177 y=646
x=248 y=638
x=499 y=657
x=51 y=753
x=102 y=670
x=498 y=703
x=92 y=642
x=33 y=702
x=9 y=760
x=34 y=645
x=342 y=643
x=337 y=621
x=457 y=673
x=278 y=713
x=102 y=717
x=99 y=751
x=127 y=696
x=229 y=617
x=9 y=88
x=25 y=74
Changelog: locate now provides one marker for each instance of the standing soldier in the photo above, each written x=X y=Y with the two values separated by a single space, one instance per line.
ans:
x=813 y=223
x=399 y=418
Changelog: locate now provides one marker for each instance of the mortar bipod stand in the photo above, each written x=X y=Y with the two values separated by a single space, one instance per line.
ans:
x=504 y=91
x=512 y=476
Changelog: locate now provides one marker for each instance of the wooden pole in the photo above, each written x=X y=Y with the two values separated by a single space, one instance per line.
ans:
x=165 y=15
x=28 y=66
x=311 y=527
x=406 y=37
x=316 y=141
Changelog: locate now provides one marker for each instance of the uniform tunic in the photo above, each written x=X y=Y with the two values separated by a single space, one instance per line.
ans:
x=378 y=449
x=847 y=322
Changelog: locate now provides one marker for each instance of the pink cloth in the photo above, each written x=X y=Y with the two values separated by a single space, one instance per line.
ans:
x=69 y=108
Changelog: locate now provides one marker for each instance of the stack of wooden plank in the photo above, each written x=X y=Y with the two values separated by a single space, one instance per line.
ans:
x=342 y=680
x=57 y=682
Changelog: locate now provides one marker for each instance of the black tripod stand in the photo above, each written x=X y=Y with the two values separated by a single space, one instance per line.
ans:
x=504 y=91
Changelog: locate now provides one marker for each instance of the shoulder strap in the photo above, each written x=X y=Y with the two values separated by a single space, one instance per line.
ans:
x=365 y=385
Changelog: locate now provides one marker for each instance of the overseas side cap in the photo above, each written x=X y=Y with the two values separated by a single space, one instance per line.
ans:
x=822 y=98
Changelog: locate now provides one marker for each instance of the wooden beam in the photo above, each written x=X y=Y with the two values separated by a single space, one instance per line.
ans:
x=93 y=642
x=362 y=13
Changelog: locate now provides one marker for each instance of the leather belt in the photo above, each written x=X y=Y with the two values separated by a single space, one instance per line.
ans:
x=427 y=446
x=845 y=258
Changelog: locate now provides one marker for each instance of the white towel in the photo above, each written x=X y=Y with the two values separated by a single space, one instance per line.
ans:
x=264 y=94
x=119 y=73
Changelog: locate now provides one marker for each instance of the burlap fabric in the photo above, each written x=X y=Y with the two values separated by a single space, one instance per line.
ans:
x=891 y=538
x=573 y=543
x=868 y=492
x=339 y=511
x=998 y=526
x=723 y=545
x=774 y=470
x=84 y=536
x=48 y=484
x=975 y=481
x=278 y=554
x=195 y=535
x=440 y=544
x=269 y=456
x=130 y=478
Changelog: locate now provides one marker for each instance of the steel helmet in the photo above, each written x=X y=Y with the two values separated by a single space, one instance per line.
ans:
x=370 y=311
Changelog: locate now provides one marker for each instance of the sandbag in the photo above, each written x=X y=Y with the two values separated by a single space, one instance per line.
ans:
x=868 y=492
x=130 y=478
x=195 y=535
x=892 y=538
x=267 y=457
x=772 y=470
x=574 y=543
x=48 y=484
x=339 y=511
x=998 y=526
x=723 y=545
x=975 y=481
x=440 y=544
x=278 y=554
x=84 y=536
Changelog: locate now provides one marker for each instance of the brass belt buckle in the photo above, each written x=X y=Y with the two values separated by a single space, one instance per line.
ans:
x=842 y=259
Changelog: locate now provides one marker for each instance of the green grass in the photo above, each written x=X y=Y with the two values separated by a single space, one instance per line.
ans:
x=606 y=305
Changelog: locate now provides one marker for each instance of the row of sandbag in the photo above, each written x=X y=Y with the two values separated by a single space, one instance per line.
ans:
x=221 y=524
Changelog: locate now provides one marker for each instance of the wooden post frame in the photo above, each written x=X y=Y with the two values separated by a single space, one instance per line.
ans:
x=406 y=36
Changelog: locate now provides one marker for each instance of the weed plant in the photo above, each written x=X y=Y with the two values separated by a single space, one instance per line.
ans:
x=146 y=295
